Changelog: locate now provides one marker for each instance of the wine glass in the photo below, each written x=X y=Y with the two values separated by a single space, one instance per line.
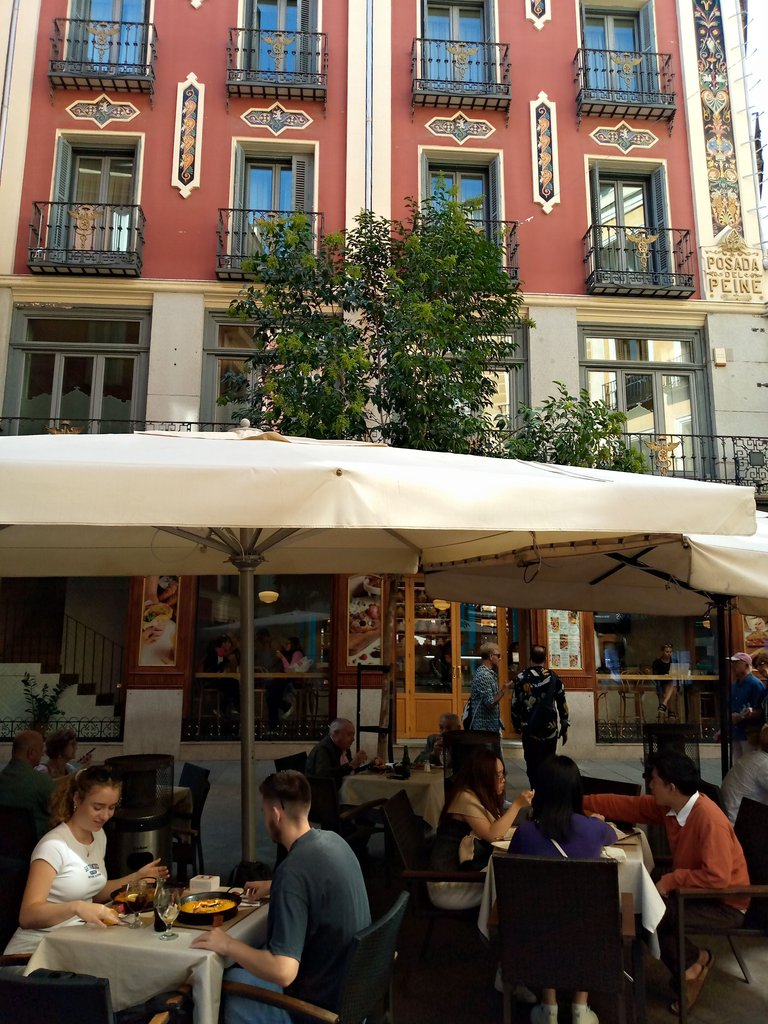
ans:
x=167 y=907
x=137 y=897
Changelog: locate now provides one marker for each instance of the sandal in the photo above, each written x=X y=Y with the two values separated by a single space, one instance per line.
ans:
x=695 y=985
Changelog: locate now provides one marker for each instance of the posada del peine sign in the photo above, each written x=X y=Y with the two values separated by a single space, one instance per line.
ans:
x=733 y=270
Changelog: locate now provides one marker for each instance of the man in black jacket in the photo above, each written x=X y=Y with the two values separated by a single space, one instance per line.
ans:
x=537 y=703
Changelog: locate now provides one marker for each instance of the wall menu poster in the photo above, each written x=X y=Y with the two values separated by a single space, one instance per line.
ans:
x=564 y=639
x=364 y=614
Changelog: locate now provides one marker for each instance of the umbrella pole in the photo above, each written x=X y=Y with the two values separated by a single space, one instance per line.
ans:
x=246 y=566
x=725 y=690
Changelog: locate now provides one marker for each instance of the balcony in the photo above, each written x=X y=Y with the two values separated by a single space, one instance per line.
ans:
x=97 y=239
x=116 y=55
x=616 y=83
x=238 y=237
x=502 y=233
x=12 y=426
x=453 y=73
x=653 y=262
x=711 y=457
x=277 y=65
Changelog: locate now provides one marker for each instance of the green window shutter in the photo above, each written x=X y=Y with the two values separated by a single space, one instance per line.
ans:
x=426 y=175
x=649 y=70
x=239 y=223
x=493 y=204
x=307 y=44
x=647 y=35
x=660 y=220
x=303 y=181
x=60 y=221
x=594 y=206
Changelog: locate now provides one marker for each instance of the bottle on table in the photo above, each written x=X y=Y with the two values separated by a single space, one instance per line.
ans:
x=405 y=769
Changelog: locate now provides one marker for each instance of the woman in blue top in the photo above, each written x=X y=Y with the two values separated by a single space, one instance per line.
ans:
x=558 y=828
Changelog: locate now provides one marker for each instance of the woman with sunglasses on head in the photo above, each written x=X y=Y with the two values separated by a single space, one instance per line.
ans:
x=68 y=881
x=474 y=817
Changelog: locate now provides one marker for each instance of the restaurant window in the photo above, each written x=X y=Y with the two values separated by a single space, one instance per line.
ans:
x=91 y=373
x=292 y=613
x=656 y=381
x=632 y=677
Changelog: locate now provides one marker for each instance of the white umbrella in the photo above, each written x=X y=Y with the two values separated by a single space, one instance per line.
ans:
x=141 y=504
x=682 y=575
x=687 y=575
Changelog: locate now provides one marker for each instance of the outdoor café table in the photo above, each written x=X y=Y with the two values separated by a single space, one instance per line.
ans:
x=426 y=791
x=138 y=965
x=634 y=878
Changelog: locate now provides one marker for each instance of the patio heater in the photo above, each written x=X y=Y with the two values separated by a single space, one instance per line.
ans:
x=140 y=829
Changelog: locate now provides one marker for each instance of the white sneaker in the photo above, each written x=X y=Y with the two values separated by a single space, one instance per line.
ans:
x=581 y=1014
x=543 y=1013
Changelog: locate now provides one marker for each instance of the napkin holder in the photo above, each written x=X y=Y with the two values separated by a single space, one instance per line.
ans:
x=204 y=883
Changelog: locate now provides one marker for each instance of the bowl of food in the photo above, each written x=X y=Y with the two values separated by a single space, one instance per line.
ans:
x=208 y=908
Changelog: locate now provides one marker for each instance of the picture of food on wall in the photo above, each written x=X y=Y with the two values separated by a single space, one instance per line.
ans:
x=364 y=620
x=157 y=644
x=755 y=632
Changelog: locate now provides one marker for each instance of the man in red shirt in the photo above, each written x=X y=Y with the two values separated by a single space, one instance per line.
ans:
x=705 y=854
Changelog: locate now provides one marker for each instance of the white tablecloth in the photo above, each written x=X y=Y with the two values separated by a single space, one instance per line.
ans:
x=426 y=791
x=139 y=965
x=633 y=878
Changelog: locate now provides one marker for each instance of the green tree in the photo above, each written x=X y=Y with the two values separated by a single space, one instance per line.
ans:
x=573 y=430
x=386 y=330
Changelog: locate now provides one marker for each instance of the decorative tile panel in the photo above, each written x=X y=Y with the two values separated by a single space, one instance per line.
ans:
x=102 y=111
x=190 y=96
x=546 y=175
x=277 y=119
x=624 y=137
x=538 y=11
x=460 y=128
x=724 y=200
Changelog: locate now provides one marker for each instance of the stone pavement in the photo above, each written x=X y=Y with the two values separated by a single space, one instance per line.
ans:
x=455 y=985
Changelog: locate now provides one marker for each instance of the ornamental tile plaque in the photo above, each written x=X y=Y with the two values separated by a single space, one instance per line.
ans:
x=277 y=119
x=102 y=111
x=460 y=128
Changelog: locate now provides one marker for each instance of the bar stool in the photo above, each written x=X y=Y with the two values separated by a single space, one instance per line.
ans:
x=627 y=692
x=209 y=707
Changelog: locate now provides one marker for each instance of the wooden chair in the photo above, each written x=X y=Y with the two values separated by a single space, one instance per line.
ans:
x=18 y=838
x=562 y=925
x=751 y=830
x=410 y=850
x=187 y=837
x=366 y=987
x=65 y=998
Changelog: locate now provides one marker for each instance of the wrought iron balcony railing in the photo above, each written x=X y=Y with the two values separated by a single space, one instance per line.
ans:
x=240 y=236
x=87 y=54
x=100 y=239
x=638 y=261
x=714 y=457
x=502 y=233
x=27 y=425
x=263 y=62
x=455 y=73
x=614 y=83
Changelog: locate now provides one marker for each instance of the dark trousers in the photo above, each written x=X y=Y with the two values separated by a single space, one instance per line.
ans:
x=699 y=915
x=535 y=751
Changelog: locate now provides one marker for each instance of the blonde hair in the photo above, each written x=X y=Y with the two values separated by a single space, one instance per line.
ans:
x=80 y=785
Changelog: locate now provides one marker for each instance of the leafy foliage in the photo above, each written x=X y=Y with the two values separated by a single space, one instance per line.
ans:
x=42 y=702
x=573 y=430
x=387 y=330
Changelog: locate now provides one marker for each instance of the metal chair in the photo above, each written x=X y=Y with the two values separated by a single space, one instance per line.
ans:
x=366 y=986
x=187 y=838
x=562 y=926
x=353 y=824
x=18 y=838
x=410 y=849
x=751 y=829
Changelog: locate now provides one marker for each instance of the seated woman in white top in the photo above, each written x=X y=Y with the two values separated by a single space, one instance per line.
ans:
x=68 y=882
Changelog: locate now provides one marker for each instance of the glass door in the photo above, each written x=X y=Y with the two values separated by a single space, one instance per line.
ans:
x=103 y=192
x=613 y=42
x=276 y=22
x=454 y=50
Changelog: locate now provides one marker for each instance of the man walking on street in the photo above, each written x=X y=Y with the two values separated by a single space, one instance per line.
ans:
x=537 y=704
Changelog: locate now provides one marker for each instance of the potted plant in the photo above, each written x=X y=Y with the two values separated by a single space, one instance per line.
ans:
x=42 y=701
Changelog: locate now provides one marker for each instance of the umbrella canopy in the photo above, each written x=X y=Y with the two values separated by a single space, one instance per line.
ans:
x=178 y=502
x=682 y=575
x=246 y=501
